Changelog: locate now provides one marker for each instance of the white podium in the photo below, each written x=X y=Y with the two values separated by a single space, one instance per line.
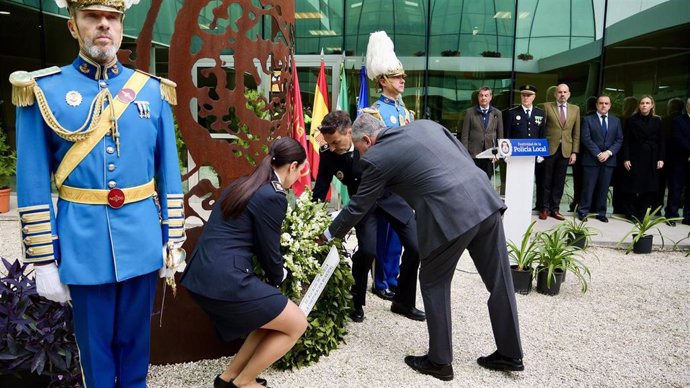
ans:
x=519 y=155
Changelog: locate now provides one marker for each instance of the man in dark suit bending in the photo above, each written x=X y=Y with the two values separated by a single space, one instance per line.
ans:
x=456 y=209
x=339 y=158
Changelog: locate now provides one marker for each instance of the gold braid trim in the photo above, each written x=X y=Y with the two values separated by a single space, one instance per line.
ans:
x=168 y=92
x=23 y=95
x=96 y=109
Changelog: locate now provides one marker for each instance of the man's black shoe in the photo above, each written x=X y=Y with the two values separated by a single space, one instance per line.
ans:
x=498 y=362
x=422 y=364
x=602 y=218
x=220 y=383
x=385 y=294
x=357 y=314
x=409 y=312
x=671 y=223
x=581 y=217
x=686 y=221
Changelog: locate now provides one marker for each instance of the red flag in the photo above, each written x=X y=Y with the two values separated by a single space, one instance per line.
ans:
x=298 y=131
x=319 y=111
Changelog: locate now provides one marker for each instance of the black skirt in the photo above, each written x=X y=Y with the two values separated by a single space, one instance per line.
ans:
x=237 y=319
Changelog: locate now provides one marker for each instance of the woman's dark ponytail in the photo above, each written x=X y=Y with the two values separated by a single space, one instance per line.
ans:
x=284 y=150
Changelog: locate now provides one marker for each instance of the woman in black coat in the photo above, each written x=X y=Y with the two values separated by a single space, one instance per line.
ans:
x=643 y=157
x=245 y=222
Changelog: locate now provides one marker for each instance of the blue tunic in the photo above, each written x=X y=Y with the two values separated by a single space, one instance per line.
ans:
x=97 y=244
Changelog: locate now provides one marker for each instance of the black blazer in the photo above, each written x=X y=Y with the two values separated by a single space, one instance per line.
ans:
x=593 y=141
x=516 y=125
x=221 y=265
x=348 y=170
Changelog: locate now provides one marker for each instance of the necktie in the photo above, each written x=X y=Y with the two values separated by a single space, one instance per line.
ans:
x=527 y=114
x=603 y=125
x=563 y=114
x=485 y=118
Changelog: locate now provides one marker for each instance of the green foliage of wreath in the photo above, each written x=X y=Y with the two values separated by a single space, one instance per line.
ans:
x=304 y=222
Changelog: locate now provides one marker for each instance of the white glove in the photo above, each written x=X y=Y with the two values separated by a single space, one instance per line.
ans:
x=174 y=261
x=540 y=159
x=48 y=283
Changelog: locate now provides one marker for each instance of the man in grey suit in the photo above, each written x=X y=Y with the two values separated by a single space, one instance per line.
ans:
x=481 y=128
x=456 y=209
x=602 y=138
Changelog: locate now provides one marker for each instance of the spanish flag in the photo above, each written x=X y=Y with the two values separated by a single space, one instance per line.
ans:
x=298 y=130
x=319 y=111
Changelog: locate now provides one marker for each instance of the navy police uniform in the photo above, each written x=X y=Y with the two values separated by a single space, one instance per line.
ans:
x=518 y=125
x=346 y=168
x=118 y=205
x=221 y=275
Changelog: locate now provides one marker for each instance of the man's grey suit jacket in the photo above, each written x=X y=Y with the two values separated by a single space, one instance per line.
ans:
x=427 y=166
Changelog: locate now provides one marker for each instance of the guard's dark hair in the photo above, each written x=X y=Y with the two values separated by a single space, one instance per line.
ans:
x=337 y=120
x=284 y=150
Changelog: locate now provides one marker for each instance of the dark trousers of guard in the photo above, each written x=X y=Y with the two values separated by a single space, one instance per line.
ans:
x=366 y=251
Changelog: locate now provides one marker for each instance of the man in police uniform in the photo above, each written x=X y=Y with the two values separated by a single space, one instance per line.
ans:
x=339 y=158
x=385 y=69
x=525 y=121
x=104 y=132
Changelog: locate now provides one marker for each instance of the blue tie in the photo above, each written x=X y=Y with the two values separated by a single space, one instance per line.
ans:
x=604 y=126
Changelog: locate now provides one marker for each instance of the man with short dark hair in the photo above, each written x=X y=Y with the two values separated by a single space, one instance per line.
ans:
x=481 y=129
x=339 y=158
x=602 y=138
x=456 y=209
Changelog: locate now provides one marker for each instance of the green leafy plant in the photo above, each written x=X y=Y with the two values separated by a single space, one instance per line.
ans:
x=490 y=54
x=525 y=57
x=640 y=227
x=35 y=333
x=556 y=254
x=526 y=253
x=304 y=222
x=577 y=231
x=8 y=159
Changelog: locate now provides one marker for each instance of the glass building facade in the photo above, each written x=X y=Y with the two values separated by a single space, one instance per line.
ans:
x=449 y=48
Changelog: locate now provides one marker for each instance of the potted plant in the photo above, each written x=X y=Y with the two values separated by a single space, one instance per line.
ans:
x=37 y=345
x=8 y=163
x=577 y=232
x=525 y=57
x=641 y=240
x=522 y=257
x=491 y=54
x=557 y=257
x=450 y=53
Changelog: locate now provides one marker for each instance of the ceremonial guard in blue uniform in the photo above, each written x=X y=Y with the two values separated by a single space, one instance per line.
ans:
x=384 y=67
x=105 y=134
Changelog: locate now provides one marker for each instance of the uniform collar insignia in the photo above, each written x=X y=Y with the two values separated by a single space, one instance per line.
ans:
x=96 y=71
x=386 y=100
x=278 y=187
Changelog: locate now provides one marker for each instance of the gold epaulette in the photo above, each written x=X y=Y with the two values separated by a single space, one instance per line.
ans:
x=167 y=88
x=23 y=83
x=373 y=112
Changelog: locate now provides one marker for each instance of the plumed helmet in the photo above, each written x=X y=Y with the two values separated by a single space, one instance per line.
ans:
x=118 y=6
x=381 y=58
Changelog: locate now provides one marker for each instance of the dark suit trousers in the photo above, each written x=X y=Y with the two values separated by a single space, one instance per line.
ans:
x=366 y=251
x=555 y=168
x=678 y=178
x=486 y=166
x=595 y=189
x=487 y=246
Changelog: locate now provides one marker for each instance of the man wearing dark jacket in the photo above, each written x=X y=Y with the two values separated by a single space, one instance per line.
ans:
x=339 y=158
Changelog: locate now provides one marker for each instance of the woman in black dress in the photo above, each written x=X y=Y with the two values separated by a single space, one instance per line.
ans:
x=643 y=157
x=245 y=222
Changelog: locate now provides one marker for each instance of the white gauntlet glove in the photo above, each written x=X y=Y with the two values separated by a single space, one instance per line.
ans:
x=48 y=283
x=173 y=259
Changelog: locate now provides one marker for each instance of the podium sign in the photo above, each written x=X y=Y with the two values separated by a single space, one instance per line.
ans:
x=520 y=157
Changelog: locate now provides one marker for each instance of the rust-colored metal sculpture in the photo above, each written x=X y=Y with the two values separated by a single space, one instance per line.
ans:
x=252 y=119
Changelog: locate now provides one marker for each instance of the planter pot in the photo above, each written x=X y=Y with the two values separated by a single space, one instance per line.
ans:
x=555 y=288
x=578 y=240
x=522 y=280
x=644 y=244
x=24 y=379
x=5 y=200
